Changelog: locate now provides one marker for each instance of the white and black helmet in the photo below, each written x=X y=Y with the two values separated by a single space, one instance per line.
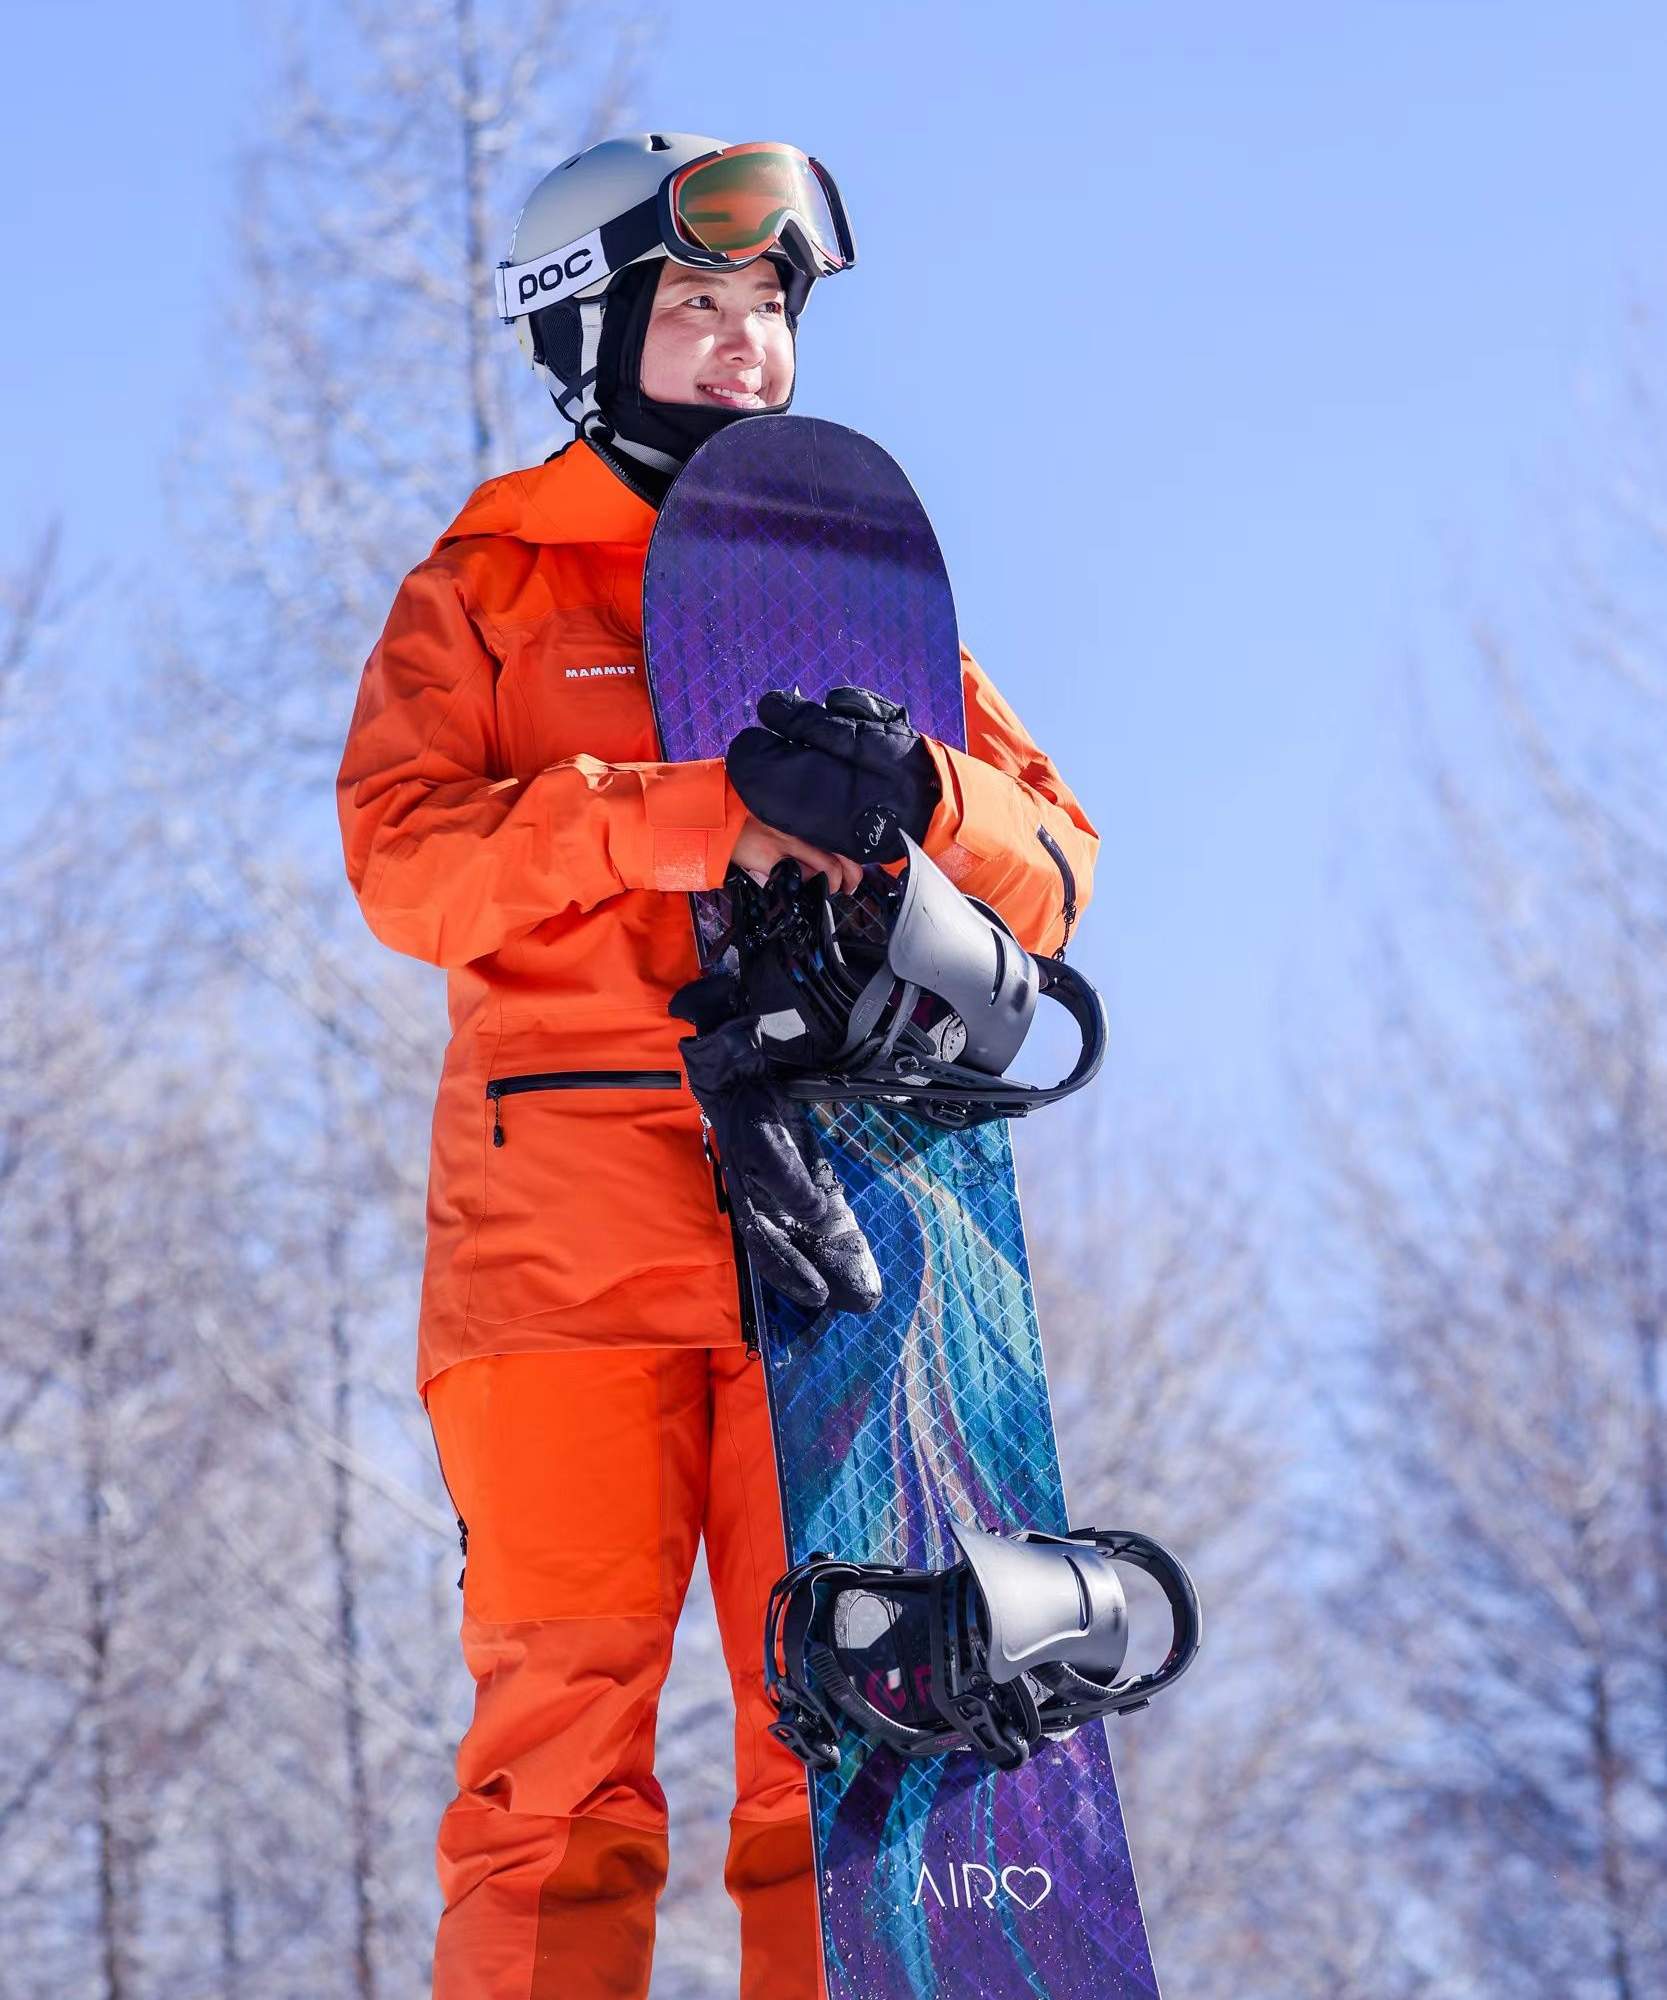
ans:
x=638 y=200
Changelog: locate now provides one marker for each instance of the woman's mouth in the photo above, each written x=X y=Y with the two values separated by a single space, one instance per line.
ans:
x=732 y=395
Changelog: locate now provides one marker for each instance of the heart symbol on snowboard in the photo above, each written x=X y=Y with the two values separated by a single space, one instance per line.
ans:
x=1027 y=1902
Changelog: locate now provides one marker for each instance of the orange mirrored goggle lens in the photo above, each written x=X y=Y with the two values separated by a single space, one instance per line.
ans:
x=736 y=205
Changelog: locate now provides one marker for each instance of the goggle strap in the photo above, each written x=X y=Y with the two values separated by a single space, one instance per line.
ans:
x=547 y=280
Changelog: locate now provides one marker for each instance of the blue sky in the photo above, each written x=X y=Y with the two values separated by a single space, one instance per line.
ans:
x=1219 y=340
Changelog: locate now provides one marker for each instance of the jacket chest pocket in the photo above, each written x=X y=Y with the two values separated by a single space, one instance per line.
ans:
x=574 y=688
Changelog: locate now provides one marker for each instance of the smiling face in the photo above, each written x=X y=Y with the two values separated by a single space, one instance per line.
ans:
x=719 y=339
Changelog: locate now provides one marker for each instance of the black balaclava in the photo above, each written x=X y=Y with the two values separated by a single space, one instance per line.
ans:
x=646 y=441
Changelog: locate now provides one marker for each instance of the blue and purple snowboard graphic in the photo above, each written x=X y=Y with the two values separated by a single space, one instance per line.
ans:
x=791 y=551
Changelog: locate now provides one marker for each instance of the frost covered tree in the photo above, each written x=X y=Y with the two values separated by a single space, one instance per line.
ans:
x=1492 y=1187
x=234 y=1684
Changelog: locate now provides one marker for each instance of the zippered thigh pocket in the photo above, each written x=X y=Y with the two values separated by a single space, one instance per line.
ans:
x=574 y=1079
x=589 y=1180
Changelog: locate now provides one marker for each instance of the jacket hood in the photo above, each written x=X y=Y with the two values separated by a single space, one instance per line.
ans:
x=573 y=497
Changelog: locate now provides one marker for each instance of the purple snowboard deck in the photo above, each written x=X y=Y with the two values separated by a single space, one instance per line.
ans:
x=794 y=551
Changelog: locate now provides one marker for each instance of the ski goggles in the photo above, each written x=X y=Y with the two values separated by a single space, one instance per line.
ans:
x=723 y=211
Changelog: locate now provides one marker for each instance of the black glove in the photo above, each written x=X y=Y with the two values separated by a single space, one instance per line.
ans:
x=846 y=774
x=790 y=1212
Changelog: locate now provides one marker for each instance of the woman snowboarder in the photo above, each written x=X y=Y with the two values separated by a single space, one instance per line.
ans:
x=505 y=814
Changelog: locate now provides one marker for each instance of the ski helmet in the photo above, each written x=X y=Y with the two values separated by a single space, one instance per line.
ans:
x=588 y=245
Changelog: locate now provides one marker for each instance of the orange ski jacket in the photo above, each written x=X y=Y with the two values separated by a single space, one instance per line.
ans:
x=506 y=813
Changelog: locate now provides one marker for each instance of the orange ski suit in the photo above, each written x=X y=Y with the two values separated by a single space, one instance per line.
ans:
x=505 y=813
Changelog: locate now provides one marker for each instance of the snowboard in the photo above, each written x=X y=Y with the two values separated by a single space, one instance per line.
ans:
x=793 y=552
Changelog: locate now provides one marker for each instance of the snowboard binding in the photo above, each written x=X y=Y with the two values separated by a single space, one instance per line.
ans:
x=1021 y=1640
x=907 y=992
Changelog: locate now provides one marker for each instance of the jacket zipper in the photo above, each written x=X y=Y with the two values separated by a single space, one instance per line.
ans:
x=613 y=458
x=462 y=1525
x=1064 y=866
x=575 y=1079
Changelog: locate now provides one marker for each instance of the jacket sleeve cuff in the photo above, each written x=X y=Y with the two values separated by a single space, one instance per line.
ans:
x=692 y=817
x=971 y=820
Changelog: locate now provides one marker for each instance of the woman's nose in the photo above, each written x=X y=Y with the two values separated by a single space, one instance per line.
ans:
x=744 y=341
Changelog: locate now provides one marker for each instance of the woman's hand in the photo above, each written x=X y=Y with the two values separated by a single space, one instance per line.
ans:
x=761 y=847
x=848 y=774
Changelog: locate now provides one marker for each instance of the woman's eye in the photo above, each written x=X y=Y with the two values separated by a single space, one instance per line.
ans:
x=708 y=303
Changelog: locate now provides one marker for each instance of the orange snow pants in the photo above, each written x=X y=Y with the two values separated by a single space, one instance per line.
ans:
x=586 y=1479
